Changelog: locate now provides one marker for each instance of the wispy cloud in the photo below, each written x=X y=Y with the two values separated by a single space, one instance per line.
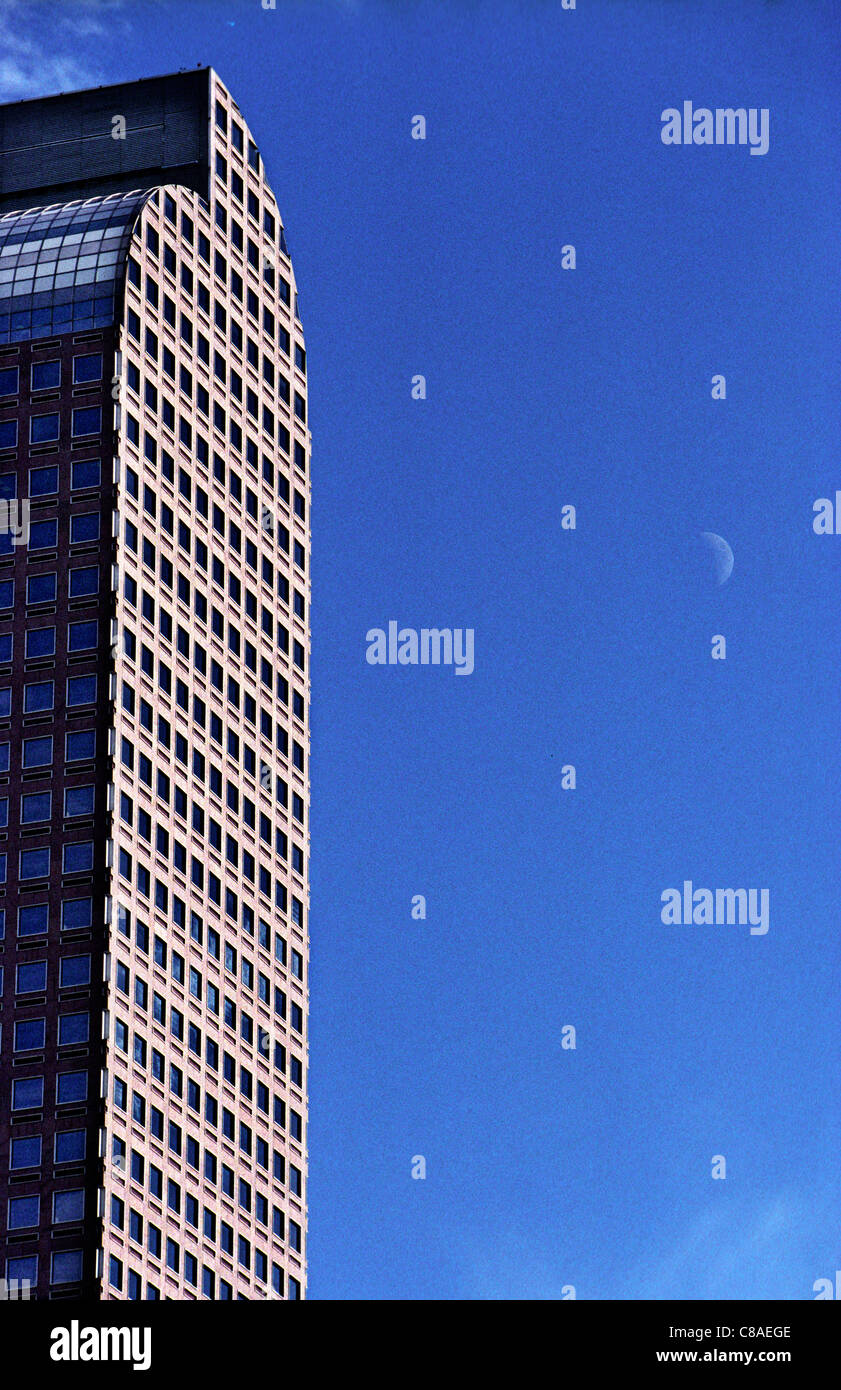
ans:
x=46 y=48
x=771 y=1247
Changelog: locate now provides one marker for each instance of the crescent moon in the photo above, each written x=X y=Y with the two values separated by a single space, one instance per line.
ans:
x=722 y=555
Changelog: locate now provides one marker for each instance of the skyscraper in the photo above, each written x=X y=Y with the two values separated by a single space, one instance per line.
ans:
x=154 y=652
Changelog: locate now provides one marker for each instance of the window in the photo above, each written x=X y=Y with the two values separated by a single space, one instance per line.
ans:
x=70 y=1143
x=43 y=429
x=78 y=858
x=28 y=1093
x=8 y=434
x=26 y=1153
x=79 y=745
x=87 y=419
x=81 y=690
x=8 y=381
x=68 y=1205
x=85 y=473
x=39 y=695
x=84 y=581
x=40 y=642
x=41 y=588
x=43 y=481
x=87 y=368
x=75 y=970
x=84 y=528
x=33 y=921
x=76 y=913
x=35 y=807
x=35 y=863
x=78 y=801
x=73 y=1028
x=66 y=1266
x=31 y=977
x=82 y=636
x=71 y=1087
x=43 y=535
x=46 y=375
x=23 y=1212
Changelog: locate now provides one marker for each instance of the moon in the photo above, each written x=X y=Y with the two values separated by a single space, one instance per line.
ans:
x=722 y=556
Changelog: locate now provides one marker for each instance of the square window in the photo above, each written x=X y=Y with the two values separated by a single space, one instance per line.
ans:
x=36 y=806
x=78 y=801
x=43 y=481
x=78 y=858
x=35 y=863
x=41 y=588
x=23 y=1270
x=87 y=368
x=84 y=528
x=38 y=696
x=28 y=1093
x=75 y=970
x=84 y=581
x=81 y=690
x=70 y=1143
x=87 y=419
x=79 y=745
x=8 y=434
x=86 y=473
x=66 y=1266
x=71 y=1087
x=72 y=1028
x=29 y=1034
x=6 y=644
x=46 y=375
x=82 y=636
x=40 y=641
x=76 y=913
x=43 y=535
x=68 y=1205
x=43 y=429
x=26 y=1153
x=23 y=1212
x=38 y=752
x=33 y=921
x=8 y=381
x=31 y=977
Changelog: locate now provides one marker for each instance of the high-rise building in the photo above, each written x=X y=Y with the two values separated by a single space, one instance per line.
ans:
x=154 y=692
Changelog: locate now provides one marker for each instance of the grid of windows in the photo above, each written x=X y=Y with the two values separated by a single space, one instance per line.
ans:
x=60 y=265
x=205 y=820
x=208 y=1052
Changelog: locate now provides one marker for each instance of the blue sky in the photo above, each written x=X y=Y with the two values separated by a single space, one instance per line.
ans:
x=549 y=1167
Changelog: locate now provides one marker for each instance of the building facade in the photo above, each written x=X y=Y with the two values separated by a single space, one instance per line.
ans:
x=154 y=696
